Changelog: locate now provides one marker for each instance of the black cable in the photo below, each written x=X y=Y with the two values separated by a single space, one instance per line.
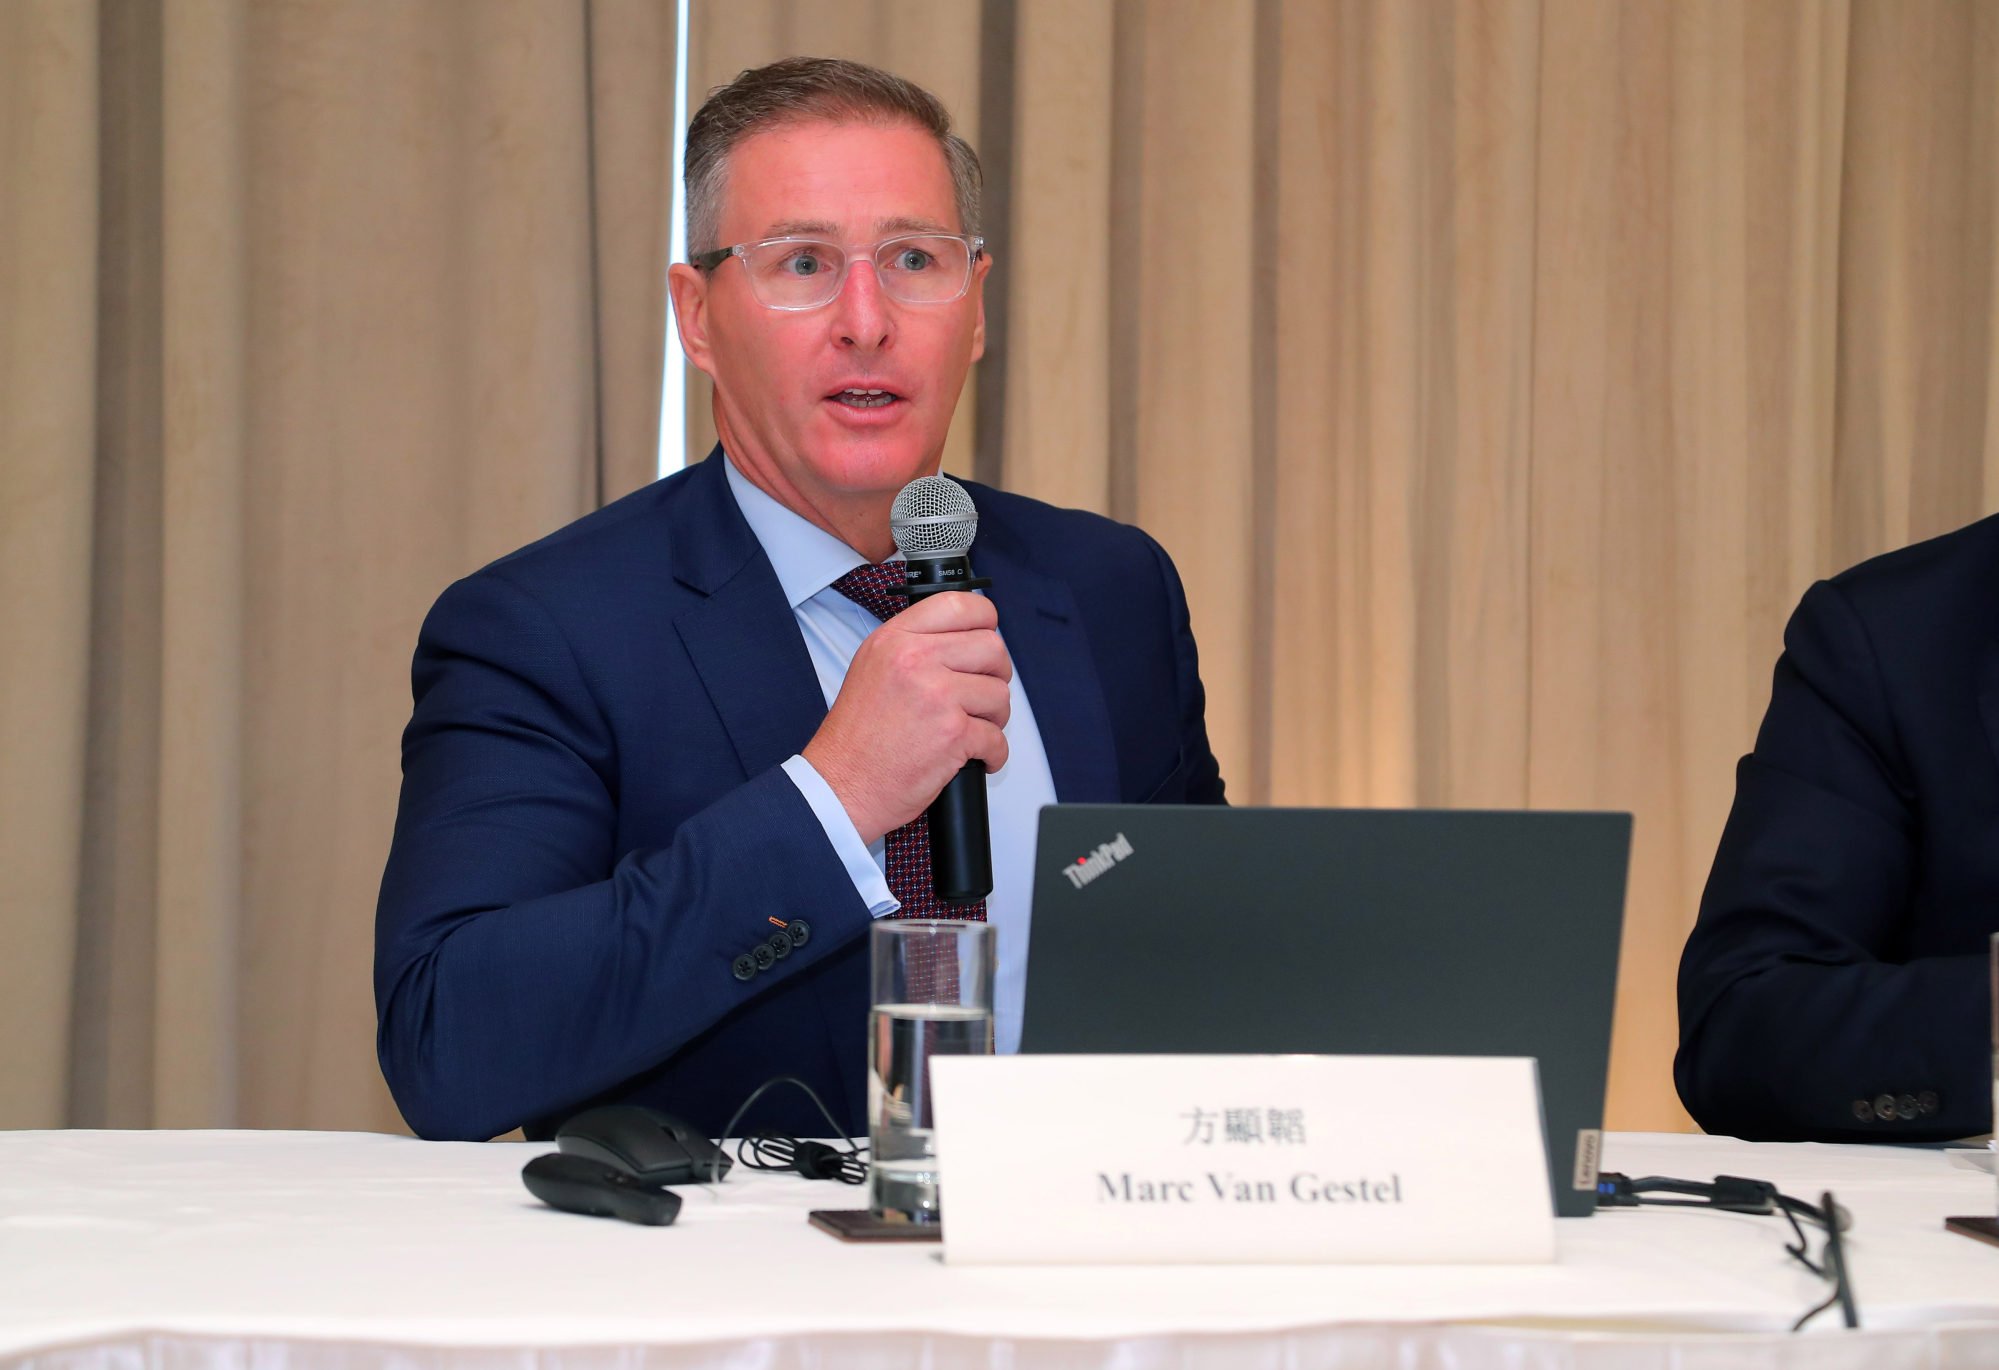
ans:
x=1835 y=1258
x=1800 y=1250
x=1815 y=1310
x=1734 y=1194
x=813 y=1160
x=715 y=1166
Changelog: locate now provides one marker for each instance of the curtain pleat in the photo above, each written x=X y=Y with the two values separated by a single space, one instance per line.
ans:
x=632 y=196
x=48 y=337
x=205 y=341
x=1057 y=271
x=1183 y=464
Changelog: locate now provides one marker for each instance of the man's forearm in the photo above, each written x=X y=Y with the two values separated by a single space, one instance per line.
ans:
x=1797 y=1049
x=494 y=1016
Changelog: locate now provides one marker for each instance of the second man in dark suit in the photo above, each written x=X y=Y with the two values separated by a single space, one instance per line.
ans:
x=1836 y=986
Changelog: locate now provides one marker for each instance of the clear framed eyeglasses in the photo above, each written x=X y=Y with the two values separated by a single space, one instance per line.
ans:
x=805 y=273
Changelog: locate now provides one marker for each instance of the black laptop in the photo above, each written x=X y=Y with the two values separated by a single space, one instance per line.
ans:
x=1339 y=931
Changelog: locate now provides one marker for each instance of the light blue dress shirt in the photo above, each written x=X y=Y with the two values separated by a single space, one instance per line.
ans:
x=808 y=559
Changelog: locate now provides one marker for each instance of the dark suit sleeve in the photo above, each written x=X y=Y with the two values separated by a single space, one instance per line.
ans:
x=1793 y=1016
x=522 y=964
x=1203 y=774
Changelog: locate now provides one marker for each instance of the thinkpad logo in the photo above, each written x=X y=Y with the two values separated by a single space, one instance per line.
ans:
x=1087 y=868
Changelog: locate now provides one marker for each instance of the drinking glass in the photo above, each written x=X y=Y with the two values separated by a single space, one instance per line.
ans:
x=932 y=996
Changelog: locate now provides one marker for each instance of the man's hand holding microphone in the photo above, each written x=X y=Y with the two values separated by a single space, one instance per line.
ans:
x=926 y=693
x=919 y=719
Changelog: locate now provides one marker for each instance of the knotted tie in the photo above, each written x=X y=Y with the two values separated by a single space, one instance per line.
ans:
x=875 y=588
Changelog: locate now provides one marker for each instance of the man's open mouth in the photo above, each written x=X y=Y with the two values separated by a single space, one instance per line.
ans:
x=856 y=398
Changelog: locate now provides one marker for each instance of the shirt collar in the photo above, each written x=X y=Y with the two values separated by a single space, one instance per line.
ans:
x=805 y=556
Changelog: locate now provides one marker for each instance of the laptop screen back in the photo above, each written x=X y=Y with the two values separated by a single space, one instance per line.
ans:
x=1338 y=931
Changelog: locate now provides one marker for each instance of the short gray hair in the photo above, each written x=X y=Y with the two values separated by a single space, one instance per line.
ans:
x=801 y=88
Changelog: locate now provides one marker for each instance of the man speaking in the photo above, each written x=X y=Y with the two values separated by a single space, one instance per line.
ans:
x=666 y=764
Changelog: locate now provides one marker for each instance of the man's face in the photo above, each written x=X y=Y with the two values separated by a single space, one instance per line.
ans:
x=778 y=373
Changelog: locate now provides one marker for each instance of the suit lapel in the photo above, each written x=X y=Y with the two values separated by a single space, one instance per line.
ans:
x=745 y=645
x=743 y=638
x=1045 y=636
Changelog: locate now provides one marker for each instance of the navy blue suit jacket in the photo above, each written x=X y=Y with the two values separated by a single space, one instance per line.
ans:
x=594 y=825
x=1836 y=985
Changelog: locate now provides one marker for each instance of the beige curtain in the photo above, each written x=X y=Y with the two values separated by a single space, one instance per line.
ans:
x=308 y=309
x=1500 y=374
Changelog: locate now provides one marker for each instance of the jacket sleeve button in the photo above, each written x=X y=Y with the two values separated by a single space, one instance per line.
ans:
x=780 y=943
x=799 y=930
x=743 y=967
x=1863 y=1110
x=1927 y=1103
x=1884 y=1108
x=765 y=957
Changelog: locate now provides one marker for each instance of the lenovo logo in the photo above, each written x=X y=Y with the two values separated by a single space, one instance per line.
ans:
x=1088 y=868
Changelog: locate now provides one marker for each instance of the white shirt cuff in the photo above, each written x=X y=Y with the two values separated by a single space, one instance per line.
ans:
x=864 y=863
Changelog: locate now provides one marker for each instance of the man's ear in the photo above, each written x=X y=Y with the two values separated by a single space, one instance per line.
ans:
x=689 y=289
x=979 y=271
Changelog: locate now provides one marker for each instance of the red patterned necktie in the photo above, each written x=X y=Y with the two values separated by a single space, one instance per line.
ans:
x=875 y=588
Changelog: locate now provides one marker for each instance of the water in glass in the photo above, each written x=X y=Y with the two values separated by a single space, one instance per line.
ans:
x=902 y=1039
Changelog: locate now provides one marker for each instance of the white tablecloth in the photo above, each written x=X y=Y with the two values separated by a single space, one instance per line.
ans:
x=347 y=1251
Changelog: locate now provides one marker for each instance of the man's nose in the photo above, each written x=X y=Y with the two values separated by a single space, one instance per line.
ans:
x=860 y=310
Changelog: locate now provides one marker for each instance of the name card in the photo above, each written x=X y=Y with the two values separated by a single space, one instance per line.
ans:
x=1241 y=1159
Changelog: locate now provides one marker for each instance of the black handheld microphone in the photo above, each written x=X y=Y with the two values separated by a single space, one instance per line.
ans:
x=933 y=522
x=576 y=1184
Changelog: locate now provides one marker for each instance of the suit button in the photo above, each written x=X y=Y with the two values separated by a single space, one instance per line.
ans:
x=780 y=943
x=765 y=957
x=1927 y=1102
x=1908 y=1106
x=1884 y=1108
x=1863 y=1110
x=743 y=967
x=799 y=931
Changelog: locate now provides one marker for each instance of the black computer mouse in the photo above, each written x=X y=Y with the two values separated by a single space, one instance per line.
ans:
x=656 y=1148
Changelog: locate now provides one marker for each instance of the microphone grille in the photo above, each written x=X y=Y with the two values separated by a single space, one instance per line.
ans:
x=933 y=516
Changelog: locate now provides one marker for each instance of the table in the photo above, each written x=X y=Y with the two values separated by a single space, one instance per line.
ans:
x=352 y=1251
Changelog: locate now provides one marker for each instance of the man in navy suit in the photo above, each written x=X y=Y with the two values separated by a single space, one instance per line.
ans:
x=658 y=760
x=1836 y=986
